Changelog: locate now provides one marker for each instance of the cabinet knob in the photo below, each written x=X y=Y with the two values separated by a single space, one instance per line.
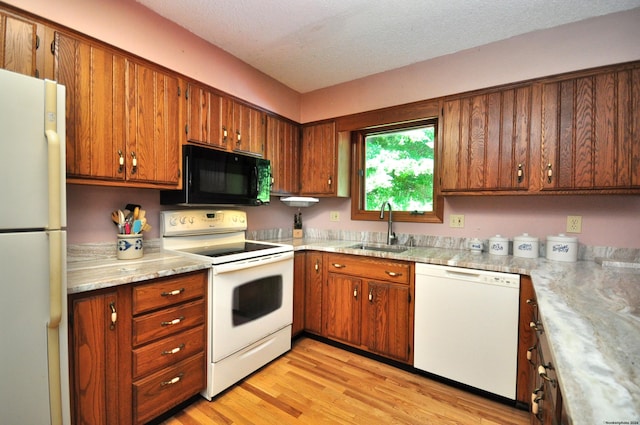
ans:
x=536 y=326
x=225 y=133
x=355 y=292
x=370 y=295
x=549 y=173
x=330 y=180
x=238 y=138
x=317 y=265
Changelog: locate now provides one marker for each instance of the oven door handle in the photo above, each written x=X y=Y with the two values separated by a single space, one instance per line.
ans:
x=252 y=262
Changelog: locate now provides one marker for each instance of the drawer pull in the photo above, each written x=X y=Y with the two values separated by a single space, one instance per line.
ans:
x=173 y=322
x=532 y=303
x=370 y=295
x=530 y=354
x=393 y=274
x=339 y=266
x=171 y=293
x=173 y=351
x=542 y=371
x=536 y=326
x=172 y=381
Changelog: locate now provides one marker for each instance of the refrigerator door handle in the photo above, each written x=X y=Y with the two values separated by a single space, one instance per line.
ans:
x=55 y=250
x=54 y=154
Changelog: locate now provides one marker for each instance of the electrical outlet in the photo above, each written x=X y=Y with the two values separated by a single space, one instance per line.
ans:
x=456 y=220
x=334 y=216
x=574 y=224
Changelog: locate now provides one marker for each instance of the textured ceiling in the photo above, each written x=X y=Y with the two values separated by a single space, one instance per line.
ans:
x=311 y=44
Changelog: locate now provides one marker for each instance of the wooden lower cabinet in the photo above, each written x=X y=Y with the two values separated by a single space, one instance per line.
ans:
x=299 y=271
x=314 y=278
x=138 y=350
x=367 y=303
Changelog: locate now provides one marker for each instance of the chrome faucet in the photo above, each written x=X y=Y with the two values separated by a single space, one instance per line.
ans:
x=390 y=235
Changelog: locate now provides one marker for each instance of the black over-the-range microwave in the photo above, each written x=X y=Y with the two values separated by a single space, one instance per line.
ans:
x=215 y=177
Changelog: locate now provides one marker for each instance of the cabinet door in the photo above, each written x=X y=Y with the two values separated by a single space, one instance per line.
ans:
x=486 y=142
x=18 y=44
x=249 y=129
x=153 y=139
x=341 y=308
x=318 y=156
x=204 y=112
x=526 y=341
x=313 y=292
x=589 y=132
x=282 y=149
x=299 y=275
x=95 y=132
x=98 y=386
x=385 y=319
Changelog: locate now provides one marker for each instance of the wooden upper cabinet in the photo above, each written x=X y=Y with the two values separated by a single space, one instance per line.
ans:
x=95 y=109
x=25 y=46
x=324 y=163
x=591 y=131
x=283 y=150
x=123 y=117
x=242 y=127
x=204 y=116
x=486 y=142
x=153 y=142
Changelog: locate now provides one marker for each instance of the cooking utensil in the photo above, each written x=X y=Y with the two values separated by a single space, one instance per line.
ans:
x=137 y=227
x=115 y=217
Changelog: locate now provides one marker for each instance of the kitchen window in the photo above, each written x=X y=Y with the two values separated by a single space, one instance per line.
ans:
x=397 y=164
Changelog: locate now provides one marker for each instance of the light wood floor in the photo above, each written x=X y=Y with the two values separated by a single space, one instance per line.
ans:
x=316 y=383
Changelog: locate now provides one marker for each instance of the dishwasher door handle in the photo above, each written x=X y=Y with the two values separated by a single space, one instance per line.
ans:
x=461 y=274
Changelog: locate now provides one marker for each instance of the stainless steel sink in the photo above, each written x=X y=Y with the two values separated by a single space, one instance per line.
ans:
x=383 y=248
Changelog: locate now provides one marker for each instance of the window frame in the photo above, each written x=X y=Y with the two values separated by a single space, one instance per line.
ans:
x=357 y=174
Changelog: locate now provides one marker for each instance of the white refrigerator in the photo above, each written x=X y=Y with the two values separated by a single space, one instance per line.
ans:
x=34 y=378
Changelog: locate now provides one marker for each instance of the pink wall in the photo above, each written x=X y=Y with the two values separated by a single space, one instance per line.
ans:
x=607 y=220
x=587 y=44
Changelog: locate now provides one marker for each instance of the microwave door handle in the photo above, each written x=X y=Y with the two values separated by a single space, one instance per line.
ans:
x=255 y=173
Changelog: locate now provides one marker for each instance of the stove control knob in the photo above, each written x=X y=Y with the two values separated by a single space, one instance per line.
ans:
x=191 y=220
x=183 y=220
x=172 y=221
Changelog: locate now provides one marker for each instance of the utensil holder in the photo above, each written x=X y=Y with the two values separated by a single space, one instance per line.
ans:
x=129 y=247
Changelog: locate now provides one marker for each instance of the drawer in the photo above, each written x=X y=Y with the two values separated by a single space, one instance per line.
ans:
x=168 y=351
x=369 y=268
x=159 y=324
x=167 y=388
x=168 y=291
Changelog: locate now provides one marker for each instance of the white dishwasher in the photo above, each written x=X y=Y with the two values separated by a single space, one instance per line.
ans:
x=466 y=326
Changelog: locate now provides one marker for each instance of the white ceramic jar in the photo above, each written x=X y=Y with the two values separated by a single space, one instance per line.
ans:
x=475 y=245
x=562 y=248
x=498 y=245
x=525 y=246
x=129 y=247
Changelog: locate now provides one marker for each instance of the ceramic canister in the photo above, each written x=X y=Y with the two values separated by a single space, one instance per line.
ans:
x=562 y=248
x=525 y=246
x=129 y=247
x=498 y=245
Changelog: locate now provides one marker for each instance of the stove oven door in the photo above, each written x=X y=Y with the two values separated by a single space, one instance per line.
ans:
x=250 y=299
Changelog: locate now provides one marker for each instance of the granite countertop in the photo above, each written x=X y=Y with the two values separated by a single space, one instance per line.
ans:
x=100 y=273
x=590 y=312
